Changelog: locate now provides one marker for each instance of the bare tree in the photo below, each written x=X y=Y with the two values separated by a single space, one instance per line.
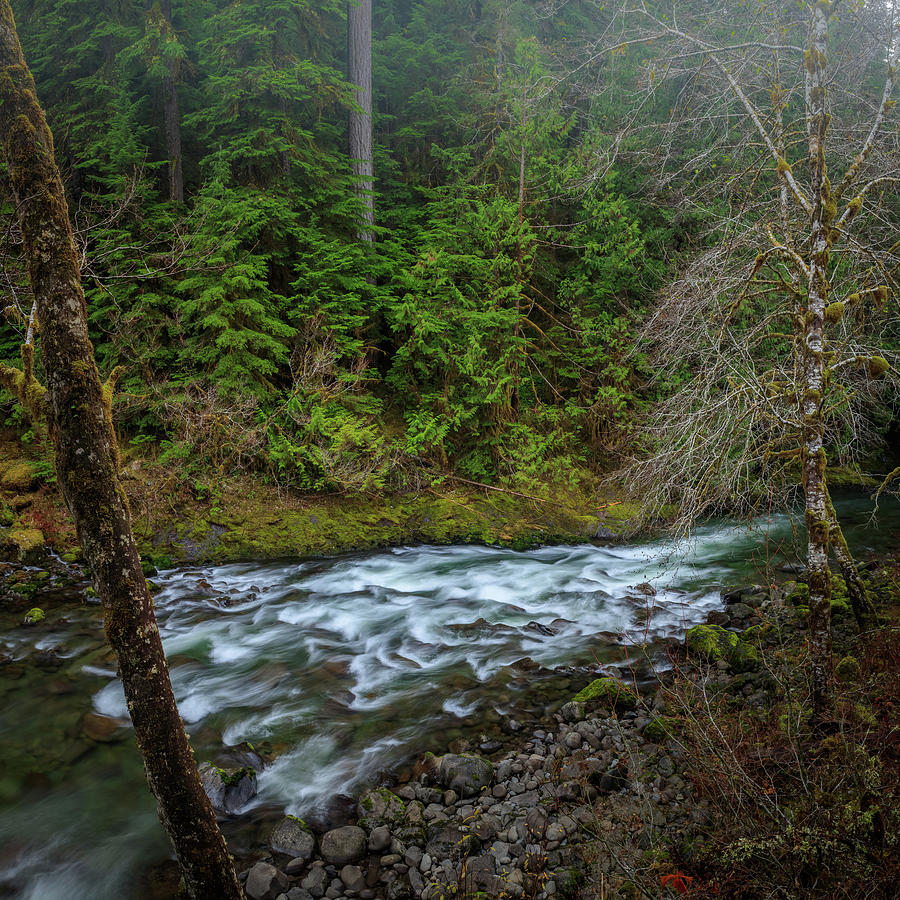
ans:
x=76 y=406
x=807 y=190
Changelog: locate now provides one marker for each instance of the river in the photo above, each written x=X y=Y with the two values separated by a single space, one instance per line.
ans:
x=337 y=670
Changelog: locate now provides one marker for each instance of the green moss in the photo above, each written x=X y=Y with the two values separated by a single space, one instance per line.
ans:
x=877 y=366
x=18 y=476
x=797 y=594
x=24 y=540
x=713 y=642
x=848 y=670
x=660 y=729
x=33 y=616
x=834 y=313
x=608 y=692
x=232 y=779
x=248 y=526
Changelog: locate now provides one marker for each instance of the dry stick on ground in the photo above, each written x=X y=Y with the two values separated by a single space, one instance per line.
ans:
x=80 y=427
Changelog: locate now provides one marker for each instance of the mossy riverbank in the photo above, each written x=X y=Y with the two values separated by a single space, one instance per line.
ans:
x=227 y=519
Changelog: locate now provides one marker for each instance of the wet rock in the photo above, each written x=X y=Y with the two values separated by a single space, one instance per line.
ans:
x=292 y=837
x=343 y=845
x=228 y=789
x=101 y=729
x=265 y=882
x=467 y=775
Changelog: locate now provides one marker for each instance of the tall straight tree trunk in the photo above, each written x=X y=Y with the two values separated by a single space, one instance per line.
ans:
x=812 y=367
x=173 y=119
x=359 y=56
x=80 y=425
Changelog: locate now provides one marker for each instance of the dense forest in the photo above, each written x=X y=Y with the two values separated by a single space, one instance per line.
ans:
x=535 y=193
x=386 y=337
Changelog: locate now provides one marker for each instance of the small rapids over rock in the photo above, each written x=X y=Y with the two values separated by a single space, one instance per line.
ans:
x=335 y=670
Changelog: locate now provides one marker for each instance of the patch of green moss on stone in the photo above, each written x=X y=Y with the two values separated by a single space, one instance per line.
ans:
x=608 y=692
x=33 y=616
x=713 y=642
x=232 y=779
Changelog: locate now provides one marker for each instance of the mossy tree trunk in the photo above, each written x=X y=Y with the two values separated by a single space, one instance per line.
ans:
x=80 y=427
x=811 y=351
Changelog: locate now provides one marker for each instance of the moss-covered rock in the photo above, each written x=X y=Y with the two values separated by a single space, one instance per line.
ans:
x=17 y=476
x=713 y=643
x=848 y=670
x=609 y=693
x=660 y=729
x=380 y=807
x=23 y=542
x=33 y=616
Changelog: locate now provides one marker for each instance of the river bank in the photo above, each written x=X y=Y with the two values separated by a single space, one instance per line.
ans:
x=219 y=519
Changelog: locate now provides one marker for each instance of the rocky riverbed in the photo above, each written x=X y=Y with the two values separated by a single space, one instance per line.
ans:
x=597 y=795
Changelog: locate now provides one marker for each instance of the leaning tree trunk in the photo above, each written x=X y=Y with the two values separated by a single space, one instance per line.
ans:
x=812 y=366
x=359 y=73
x=80 y=427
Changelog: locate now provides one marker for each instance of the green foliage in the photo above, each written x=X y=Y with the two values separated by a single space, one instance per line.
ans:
x=488 y=329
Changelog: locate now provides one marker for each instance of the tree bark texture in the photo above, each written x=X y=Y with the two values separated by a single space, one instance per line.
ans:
x=359 y=56
x=80 y=425
x=812 y=367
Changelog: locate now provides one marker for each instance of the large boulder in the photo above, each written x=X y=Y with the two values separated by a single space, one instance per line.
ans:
x=292 y=837
x=265 y=882
x=343 y=846
x=467 y=775
x=380 y=807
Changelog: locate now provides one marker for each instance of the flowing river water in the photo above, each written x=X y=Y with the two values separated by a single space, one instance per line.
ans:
x=336 y=669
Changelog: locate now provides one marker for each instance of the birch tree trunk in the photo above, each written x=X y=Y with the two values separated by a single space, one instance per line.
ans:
x=359 y=56
x=80 y=426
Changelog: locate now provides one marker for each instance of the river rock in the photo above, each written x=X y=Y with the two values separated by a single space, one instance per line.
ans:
x=353 y=879
x=380 y=839
x=467 y=775
x=380 y=807
x=316 y=882
x=228 y=789
x=101 y=729
x=265 y=882
x=449 y=842
x=292 y=837
x=343 y=845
